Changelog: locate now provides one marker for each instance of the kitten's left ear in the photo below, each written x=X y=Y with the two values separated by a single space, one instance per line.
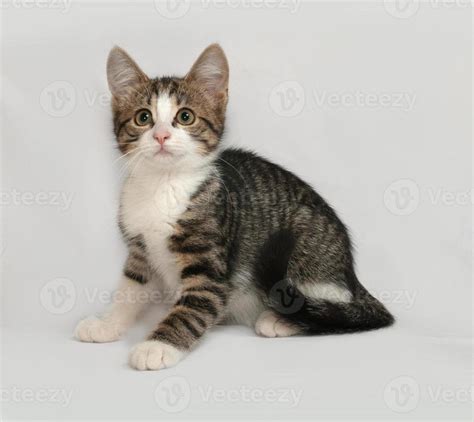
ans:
x=211 y=71
x=123 y=74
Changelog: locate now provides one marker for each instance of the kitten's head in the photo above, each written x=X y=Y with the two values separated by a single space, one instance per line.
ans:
x=169 y=121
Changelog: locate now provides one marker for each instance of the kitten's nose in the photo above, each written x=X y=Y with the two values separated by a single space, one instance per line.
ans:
x=161 y=135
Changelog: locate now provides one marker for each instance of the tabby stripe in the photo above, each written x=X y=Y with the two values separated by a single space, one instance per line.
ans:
x=172 y=91
x=197 y=302
x=135 y=265
x=181 y=97
x=191 y=222
x=192 y=249
x=190 y=327
x=192 y=314
x=168 y=334
x=203 y=140
x=210 y=237
x=135 y=276
x=132 y=135
x=150 y=94
x=203 y=268
x=137 y=241
x=137 y=254
x=199 y=320
x=206 y=294
x=210 y=125
x=121 y=126
x=215 y=290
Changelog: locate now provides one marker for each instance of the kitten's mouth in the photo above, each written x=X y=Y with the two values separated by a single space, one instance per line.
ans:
x=163 y=152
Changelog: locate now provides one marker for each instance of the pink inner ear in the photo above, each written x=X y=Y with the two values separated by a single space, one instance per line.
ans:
x=211 y=70
x=123 y=74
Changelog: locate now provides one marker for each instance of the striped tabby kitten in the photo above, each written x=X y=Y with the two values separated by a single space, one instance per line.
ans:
x=236 y=237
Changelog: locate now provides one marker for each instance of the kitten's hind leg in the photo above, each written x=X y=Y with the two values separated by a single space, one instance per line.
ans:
x=129 y=300
x=270 y=324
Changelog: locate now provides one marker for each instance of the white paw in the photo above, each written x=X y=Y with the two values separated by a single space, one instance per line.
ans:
x=270 y=325
x=153 y=355
x=96 y=330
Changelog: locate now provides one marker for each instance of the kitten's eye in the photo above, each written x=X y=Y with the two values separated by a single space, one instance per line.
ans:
x=143 y=117
x=185 y=116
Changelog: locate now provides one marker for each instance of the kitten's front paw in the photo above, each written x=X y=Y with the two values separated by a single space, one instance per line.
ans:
x=96 y=330
x=153 y=355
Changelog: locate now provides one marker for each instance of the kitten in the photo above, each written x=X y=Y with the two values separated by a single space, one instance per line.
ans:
x=236 y=237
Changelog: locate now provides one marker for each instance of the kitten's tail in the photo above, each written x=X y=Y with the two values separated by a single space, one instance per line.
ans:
x=320 y=316
x=315 y=315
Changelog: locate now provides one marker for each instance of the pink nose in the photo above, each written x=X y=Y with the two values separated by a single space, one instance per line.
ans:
x=161 y=136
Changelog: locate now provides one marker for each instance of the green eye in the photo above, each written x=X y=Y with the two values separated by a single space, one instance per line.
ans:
x=185 y=116
x=143 y=117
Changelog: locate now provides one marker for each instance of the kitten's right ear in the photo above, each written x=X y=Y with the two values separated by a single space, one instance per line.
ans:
x=123 y=74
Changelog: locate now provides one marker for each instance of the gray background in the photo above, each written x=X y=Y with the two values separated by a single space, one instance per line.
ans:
x=370 y=102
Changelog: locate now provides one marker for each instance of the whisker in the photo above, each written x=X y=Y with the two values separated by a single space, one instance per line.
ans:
x=144 y=148
x=238 y=172
x=219 y=177
x=137 y=163
x=138 y=152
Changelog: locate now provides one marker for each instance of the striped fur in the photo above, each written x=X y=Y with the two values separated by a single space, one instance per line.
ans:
x=238 y=238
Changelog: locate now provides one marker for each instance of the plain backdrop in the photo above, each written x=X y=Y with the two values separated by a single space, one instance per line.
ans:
x=370 y=102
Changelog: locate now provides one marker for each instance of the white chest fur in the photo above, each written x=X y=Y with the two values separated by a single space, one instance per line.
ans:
x=152 y=201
